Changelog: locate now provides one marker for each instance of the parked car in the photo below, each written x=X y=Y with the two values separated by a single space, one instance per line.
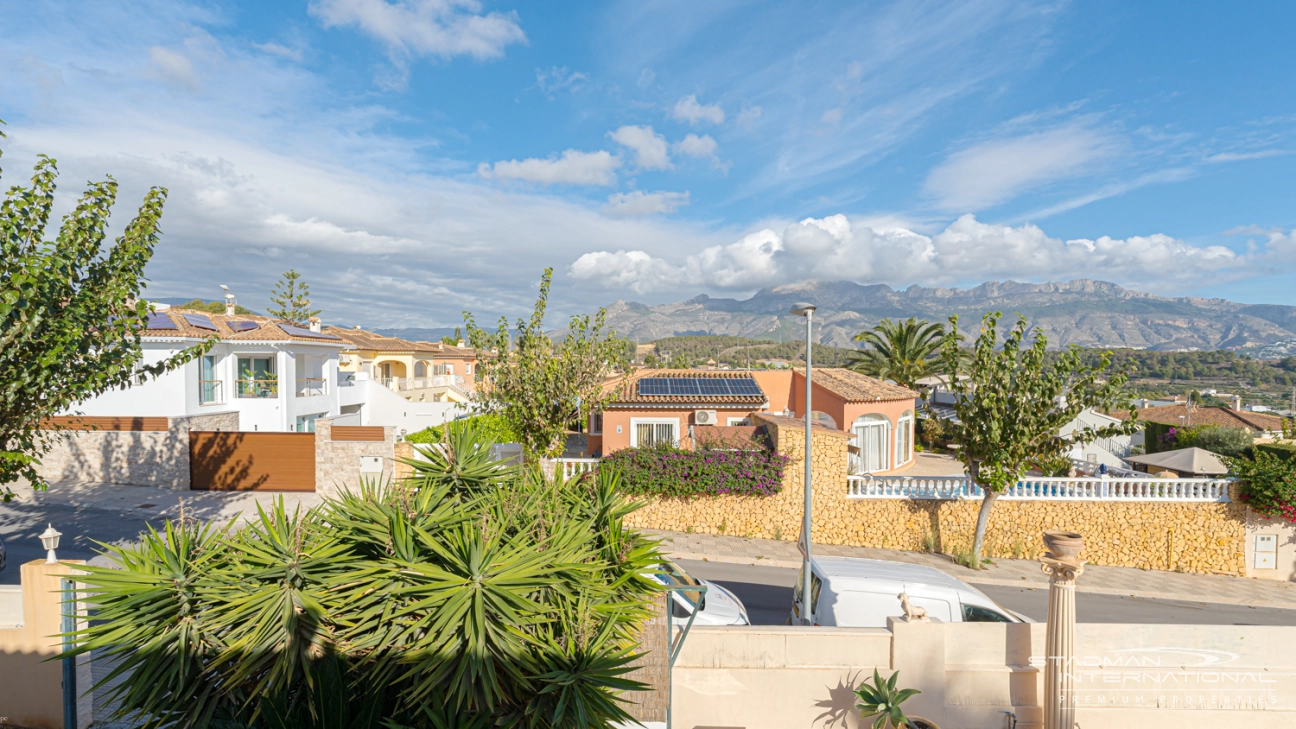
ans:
x=717 y=607
x=862 y=593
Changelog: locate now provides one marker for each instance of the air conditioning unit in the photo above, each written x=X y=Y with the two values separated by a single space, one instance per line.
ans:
x=705 y=417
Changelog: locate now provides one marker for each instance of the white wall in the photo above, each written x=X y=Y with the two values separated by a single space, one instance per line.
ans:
x=380 y=406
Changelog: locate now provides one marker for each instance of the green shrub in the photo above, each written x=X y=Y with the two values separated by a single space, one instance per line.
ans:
x=1229 y=442
x=483 y=597
x=669 y=471
x=1285 y=451
x=1268 y=484
x=494 y=427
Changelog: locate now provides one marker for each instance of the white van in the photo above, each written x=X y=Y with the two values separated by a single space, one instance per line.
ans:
x=862 y=593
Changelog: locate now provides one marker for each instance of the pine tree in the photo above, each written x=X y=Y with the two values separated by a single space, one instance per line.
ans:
x=292 y=297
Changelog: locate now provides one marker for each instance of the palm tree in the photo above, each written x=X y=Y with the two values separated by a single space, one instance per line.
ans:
x=901 y=351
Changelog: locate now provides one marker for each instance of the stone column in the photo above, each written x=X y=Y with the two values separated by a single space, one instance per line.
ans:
x=1059 y=676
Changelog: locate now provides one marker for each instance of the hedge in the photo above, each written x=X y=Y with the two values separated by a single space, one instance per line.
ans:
x=494 y=426
x=1285 y=451
x=670 y=471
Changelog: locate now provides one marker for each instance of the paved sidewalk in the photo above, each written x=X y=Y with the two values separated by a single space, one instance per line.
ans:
x=149 y=501
x=1007 y=572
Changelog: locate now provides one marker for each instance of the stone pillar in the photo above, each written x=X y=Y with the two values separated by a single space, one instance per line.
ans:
x=1062 y=567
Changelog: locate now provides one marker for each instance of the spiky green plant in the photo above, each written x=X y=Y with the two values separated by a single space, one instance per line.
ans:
x=881 y=700
x=471 y=595
x=901 y=351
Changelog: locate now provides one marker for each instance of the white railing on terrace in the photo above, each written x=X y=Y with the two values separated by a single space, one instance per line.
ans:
x=1043 y=488
x=575 y=466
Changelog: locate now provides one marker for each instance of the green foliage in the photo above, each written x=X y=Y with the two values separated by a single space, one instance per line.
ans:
x=291 y=299
x=454 y=339
x=213 y=307
x=1268 y=483
x=541 y=386
x=71 y=311
x=901 y=351
x=470 y=595
x=1214 y=438
x=664 y=470
x=880 y=700
x=494 y=427
x=1012 y=401
x=932 y=431
x=1285 y=451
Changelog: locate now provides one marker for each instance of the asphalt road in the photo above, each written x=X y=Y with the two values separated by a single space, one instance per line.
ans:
x=767 y=593
x=21 y=525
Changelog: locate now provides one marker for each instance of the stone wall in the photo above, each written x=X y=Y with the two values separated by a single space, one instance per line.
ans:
x=337 y=462
x=147 y=458
x=1184 y=536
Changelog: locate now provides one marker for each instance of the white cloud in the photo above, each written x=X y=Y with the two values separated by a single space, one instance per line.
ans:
x=173 y=67
x=695 y=146
x=993 y=172
x=572 y=168
x=689 y=110
x=638 y=203
x=837 y=248
x=651 y=152
x=832 y=116
x=559 y=78
x=747 y=117
x=412 y=28
x=1243 y=156
x=292 y=54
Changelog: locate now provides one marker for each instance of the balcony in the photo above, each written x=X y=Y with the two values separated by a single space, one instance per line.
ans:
x=210 y=392
x=311 y=386
x=419 y=383
x=258 y=388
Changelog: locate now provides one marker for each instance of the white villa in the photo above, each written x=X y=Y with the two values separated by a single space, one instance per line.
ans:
x=276 y=376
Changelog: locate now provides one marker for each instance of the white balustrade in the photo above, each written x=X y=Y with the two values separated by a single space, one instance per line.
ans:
x=1118 y=488
x=576 y=466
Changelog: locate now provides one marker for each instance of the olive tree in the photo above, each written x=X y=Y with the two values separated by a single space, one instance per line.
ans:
x=1013 y=400
x=540 y=385
x=70 y=311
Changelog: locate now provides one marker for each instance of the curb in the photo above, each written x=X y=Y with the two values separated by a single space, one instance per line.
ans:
x=997 y=582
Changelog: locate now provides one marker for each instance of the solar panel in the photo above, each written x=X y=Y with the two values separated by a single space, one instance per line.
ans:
x=744 y=386
x=243 y=326
x=304 y=332
x=653 y=386
x=700 y=387
x=158 y=320
x=200 y=320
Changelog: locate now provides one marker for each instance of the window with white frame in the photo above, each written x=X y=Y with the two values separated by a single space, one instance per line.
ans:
x=871 y=434
x=738 y=421
x=904 y=438
x=648 y=432
x=209 y=381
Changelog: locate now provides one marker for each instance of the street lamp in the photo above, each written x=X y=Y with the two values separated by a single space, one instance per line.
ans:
x=50 y=541
x=806 y=310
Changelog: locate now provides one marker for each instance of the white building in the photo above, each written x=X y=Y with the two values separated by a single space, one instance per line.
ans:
x=276 y=376
x=1106 y=451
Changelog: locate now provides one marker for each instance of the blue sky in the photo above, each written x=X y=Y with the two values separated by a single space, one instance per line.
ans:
x=413 y=159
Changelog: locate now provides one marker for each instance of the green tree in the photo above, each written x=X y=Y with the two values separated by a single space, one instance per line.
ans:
x=471 y=595
x=214 y=307
x=1214 y=438
x=71 y=314
x=539 y=385
x=1012 y=402
x=291 y=299
x=454 y=339
x=1268 y=484
x=901 y=351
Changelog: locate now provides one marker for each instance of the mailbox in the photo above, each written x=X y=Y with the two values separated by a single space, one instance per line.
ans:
x=371 y=464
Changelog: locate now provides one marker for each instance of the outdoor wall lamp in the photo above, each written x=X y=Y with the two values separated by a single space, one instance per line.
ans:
x=807 y=597
x=50 y=541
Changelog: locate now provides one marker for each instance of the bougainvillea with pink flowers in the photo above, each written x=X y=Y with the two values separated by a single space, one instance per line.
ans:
x=671 y=471
x=1268 y=484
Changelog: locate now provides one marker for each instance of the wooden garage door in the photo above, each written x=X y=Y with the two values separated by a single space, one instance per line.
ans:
x=251 y=461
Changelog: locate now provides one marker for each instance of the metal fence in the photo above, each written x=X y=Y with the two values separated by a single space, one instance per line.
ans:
x=1042 y=488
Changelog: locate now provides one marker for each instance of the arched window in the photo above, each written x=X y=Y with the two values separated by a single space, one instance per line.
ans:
x=904 y=438
x=420 y=369
x=871 y=434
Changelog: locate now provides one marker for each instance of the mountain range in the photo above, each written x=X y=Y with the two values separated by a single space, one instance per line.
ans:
x=1084 y=312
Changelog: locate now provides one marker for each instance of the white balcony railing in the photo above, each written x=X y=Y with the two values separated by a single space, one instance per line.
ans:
x=311 y=386
x=575 y=466
x=1043 y=488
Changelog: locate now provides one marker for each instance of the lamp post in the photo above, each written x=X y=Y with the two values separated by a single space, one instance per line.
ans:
x=807 y=598
x=50 y=541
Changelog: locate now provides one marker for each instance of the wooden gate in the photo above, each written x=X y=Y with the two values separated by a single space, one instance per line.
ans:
x=251 y=461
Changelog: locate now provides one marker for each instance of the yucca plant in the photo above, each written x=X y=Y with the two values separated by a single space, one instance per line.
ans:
x=471 y=595
x=881 y=700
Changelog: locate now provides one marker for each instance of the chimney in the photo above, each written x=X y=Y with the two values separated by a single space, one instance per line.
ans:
x=315 y=324
x=230 y=301
x=462 y=344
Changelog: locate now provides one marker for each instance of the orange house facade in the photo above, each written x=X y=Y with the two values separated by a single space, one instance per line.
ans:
x=656 y=406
